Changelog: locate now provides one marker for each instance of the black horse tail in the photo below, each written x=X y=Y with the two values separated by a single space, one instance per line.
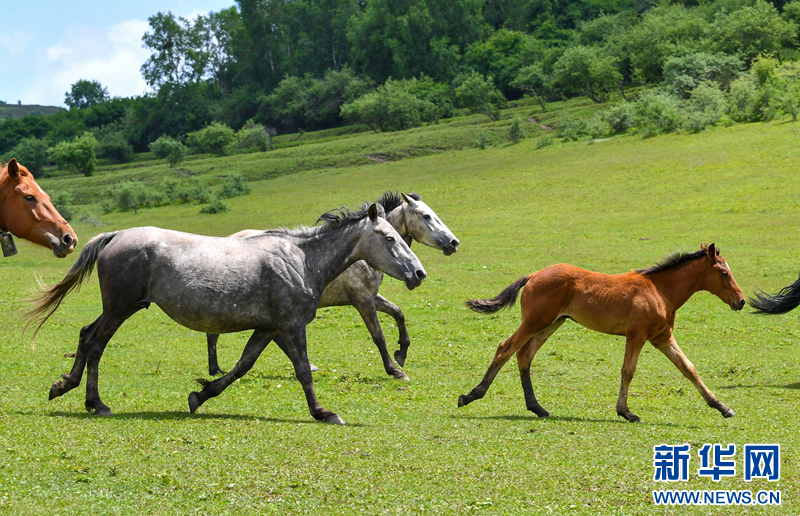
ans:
x=50 y=299
x=784 y=301
x=505 y=298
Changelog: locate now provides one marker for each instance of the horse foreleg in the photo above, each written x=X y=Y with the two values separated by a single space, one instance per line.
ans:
x=73 y=379
x=366 y=307
x=384 y=305
x=673 y=352
x=213 y=366
x=633 y=346
x=252 y=350
x=525 y=356
x=294 y=345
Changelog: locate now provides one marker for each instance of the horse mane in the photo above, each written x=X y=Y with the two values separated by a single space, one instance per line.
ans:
x=674 y=260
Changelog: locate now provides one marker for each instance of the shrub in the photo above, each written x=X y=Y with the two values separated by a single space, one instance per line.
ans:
x=620 y=117
x=62 y=202
x=483 y=140
x=705 y=107
x=682 y=74
x=132 y=195
x=32 y=153
x=187 y=190
x=215 y=207
x=254 y=137
x=544 y=141
x=657 y=113
x=480 y=95
x=517 y=131
x=115 y=147
x=215 y=138
x=586 y=71
x=389 y=108
x=234 y=186
x=171 y=149
x=77 y=155
x=536 y=83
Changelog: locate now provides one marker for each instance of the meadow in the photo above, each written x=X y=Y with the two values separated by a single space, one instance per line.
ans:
x=610 y=206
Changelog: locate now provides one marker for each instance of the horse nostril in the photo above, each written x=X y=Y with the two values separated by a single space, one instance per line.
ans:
x=420 y=274
x=742 y=303
x=454 y=243
x=67 y=239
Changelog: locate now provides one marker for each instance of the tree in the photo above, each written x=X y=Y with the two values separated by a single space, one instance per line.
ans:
x=177 y=57
x=389 y=108
x=751 y=31
x=77 y=155
x=85 y=94
x=480 y=95
x=31 y=152
x=216 y=138
x=170 y=149
x=534 y=81
x=586 y=71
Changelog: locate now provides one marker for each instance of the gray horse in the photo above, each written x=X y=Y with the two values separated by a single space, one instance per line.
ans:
x=359 y=284
x=270 y=283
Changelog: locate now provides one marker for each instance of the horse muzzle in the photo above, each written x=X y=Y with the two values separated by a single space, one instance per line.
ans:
x=451 y=247
x=63 y=246
x=738 y=305
x=414 y=280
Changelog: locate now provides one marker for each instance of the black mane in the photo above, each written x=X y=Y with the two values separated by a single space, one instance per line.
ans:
x=338 y=217
x=674 y=260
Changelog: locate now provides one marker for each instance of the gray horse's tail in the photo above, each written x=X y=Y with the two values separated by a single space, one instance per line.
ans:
x=50 y=299
x=505 y=298
x=784 y=301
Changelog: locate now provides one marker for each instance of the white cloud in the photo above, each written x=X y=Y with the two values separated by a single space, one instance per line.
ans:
x=112 y=56
x=13 y=43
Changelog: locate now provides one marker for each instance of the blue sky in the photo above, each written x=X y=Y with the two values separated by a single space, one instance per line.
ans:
x=46 y=46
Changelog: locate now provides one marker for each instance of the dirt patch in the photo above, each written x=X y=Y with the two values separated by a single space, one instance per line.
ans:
x=378 y=158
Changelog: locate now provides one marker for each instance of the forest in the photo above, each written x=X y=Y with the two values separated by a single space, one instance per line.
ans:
x=229 y=81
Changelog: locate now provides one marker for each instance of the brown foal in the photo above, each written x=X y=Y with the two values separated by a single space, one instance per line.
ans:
x=640 y=305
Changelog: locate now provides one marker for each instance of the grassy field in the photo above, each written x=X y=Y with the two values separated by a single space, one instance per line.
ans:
x=609 y=206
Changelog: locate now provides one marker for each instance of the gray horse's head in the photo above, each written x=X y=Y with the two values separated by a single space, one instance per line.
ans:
x=383 y=249
x=424 y=226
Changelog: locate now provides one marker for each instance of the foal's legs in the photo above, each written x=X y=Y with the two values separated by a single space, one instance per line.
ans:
x=252 y=350
x=633 y=346
x=525 y=356
x=676 y=356
x=72 y=379
x=384 y=305
x=366 y=307
x=213 y=366
x=294 y=345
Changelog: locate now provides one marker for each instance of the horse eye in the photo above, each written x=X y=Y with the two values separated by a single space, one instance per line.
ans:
x=389 y=239
x=426 y=217
x=725 y=273
x=30 y=198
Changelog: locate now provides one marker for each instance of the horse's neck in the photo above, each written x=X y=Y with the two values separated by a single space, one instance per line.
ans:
x=328 y=254
x=681 y=283
x=397 y=218
x=4 y=191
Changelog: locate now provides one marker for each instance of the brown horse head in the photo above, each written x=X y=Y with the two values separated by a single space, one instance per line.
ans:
x=26 y=211
x=719 y=280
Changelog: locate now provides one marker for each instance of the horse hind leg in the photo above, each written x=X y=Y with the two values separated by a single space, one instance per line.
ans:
x=384 y=305
x=73 y=379
x=213 y=366
x=524 y=358
x=107 y=326
x=633 y=346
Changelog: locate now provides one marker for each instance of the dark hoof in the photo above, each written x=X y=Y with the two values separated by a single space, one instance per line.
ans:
x=313 y=367
x=463 y=400
x=194 y=402
x=539 y=411
x=633 y=418
x=400 y=375
x=728 y=412
x=400 y=358
x=56 y=390
x=101 y=410
x=334 y=419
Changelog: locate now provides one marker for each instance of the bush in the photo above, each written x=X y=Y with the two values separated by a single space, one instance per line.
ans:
x=572 y=129
x=215 y=138
x=389 y=108
x=234 y=186
x=254 y=137
x=77 y=155
x=705 y=106
x=187 y=190
x=586 y=71
x=62 y=202
x=214 y=208
x=480 y=95
x=682 y=74
x=115 y=147
x=32 y=153
x=657 y=113
x=620 y=117
x=536 y=83
x=133 y=195
x=517 y=131
x=483 y=140
x=171 y=149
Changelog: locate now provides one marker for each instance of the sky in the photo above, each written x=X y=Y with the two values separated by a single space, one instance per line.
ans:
x=46 y=46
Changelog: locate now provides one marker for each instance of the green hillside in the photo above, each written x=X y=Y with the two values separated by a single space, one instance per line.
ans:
x=20 y=110
x=609 y=205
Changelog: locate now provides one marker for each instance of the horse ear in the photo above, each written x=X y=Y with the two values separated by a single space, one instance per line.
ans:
x=373 y=213
x=712 y=252
x=415 y=196
x=407 y=199
x=13 y=168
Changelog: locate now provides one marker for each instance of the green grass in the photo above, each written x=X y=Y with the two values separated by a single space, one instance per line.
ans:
x=609 y=206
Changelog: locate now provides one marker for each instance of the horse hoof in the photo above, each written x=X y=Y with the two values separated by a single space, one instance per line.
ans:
x=728 y=413
x=313 y=367
x=56 y=390
x=334 y=419
x=400 y=375
x=106 y=412
x=462 y=400
x=400 y=358
x=633 y=418
x=194 y=402
x=540 y=412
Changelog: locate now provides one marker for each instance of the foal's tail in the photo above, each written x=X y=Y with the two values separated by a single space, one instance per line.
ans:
x=505 y=298
x=784 y=301
x=50 y=299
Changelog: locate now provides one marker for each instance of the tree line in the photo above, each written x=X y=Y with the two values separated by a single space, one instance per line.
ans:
x=263 y=66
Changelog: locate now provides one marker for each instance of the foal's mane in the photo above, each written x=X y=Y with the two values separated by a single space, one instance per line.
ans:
x=674 y=260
